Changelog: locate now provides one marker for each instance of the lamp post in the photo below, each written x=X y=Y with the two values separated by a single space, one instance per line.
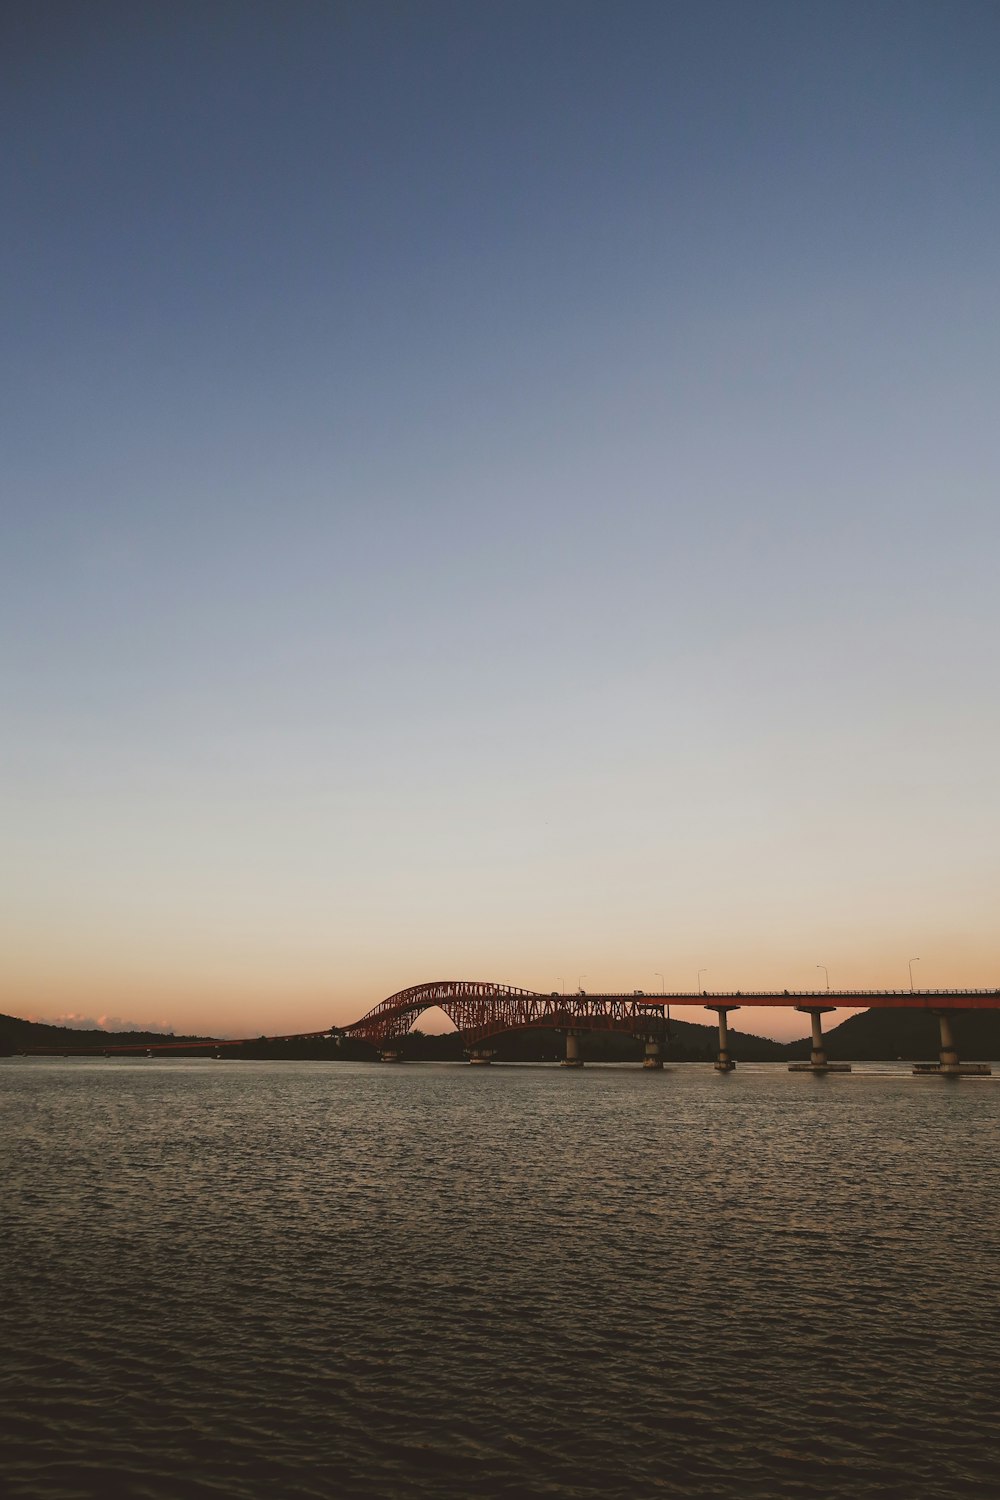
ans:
x=579 y=983
x=663 y=982
x=698 y=981
x=826 y=972
x=560 y=984
x=912 y=962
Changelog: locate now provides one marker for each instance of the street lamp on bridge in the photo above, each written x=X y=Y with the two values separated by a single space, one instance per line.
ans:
x=663 y=982
x=826 y=972
x=579 y=984
x=698 y=980
x=912 y=962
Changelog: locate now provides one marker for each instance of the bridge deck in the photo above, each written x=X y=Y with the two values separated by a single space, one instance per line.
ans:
x=839 y=999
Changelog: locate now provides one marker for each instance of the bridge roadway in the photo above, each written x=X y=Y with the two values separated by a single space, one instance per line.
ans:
x=482 y=1011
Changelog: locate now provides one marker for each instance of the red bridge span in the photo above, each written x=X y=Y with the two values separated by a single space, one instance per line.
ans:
x=482 y=1011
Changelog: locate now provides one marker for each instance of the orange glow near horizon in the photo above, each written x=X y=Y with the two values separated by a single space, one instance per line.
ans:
x=283 y=996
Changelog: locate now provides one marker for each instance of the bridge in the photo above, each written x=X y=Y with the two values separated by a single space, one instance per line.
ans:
x=482 y=1011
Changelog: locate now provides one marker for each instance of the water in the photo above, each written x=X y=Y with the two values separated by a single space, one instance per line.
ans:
x=249 y=1279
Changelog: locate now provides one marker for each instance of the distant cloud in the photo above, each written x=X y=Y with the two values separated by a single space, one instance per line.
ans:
x=106 y=1023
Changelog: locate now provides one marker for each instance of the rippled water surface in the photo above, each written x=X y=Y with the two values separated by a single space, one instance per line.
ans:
x=249 y=1279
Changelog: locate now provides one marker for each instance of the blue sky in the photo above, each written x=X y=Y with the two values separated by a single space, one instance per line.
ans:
x=495 y=491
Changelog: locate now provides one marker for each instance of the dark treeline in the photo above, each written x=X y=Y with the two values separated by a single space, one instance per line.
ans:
x=688 y=1042
x=873 y=1036
x=16 y=1034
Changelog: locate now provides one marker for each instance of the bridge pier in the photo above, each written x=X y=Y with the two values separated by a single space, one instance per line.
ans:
x=724 y=1062
x=572 y=1058
x=654 y=1053
x=817 y=1061
x=949 y=1064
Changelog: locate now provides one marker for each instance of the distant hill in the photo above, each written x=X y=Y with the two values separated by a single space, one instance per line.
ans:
x=884 y=1035
x=16 y=1034
x=689 y=1042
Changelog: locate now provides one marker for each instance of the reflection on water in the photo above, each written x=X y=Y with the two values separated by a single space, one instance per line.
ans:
x=246 y=1279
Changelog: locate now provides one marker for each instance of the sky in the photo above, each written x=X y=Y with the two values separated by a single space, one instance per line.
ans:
x=500 y=491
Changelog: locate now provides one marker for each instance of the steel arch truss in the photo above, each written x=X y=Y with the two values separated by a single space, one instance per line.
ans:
x=480 y=1011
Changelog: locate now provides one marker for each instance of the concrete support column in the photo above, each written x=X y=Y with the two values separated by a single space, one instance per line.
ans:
x=653 y=1058
x=818 y=1055
x=724 y=1062
x=949 y=1063
x=572 y=1058
x=817 y=1059
x=949 y=1047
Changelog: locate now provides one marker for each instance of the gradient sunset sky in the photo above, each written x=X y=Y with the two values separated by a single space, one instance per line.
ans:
x=498 y=491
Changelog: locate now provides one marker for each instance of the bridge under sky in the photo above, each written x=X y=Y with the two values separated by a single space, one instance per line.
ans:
x=497 y=488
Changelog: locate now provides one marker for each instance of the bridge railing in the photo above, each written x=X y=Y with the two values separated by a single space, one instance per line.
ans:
x=695 y=995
